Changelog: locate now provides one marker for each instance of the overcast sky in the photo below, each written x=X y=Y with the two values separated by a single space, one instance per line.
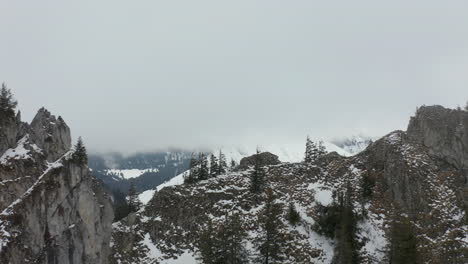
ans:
x=142 y=75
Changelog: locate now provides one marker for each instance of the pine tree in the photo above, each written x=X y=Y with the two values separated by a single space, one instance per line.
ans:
x=134 y=202
x=308 y=152
x=121 y=208
x=214 y=168
x=7 y=102
x=204 y=172
x=314 y=151
x=208 y=246
x=293 y=215
x=233 y=164
x=192 y=175
x=403 y=242
x=222 y=168
x=79 y=156
x=321 y=149
x=257 y=177
x=271 y=241
x=223 y=244
x=234 y=237
x=347 y=248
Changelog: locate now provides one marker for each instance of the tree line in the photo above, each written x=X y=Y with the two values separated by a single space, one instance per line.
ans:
x=206 y=166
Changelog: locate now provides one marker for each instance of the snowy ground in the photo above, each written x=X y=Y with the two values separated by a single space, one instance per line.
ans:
x=146 y=196
x=129 y=173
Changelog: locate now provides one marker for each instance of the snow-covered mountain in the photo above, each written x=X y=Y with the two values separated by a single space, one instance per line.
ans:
x=148 y=170
x=295 y=152
x=402 y=200
x=354 y=144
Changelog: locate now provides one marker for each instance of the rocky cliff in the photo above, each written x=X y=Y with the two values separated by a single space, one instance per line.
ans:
x=52 y=210
x=407 y=192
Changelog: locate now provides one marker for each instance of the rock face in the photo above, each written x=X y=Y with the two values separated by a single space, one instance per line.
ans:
x=414 y=179
x=265 y=158
x=444 y=132
x=52 y=134
x=52 y=209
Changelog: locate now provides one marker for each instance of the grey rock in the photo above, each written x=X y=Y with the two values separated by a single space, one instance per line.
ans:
x=51 y=134
x=444 y=132
x=52 y=209
x=266 y=158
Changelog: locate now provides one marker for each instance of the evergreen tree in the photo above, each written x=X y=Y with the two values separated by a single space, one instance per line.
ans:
x=271 y=241
x=309 y=151
x=203 y=172
x=224 y=244
x=7 y=102
x=321 y=149
x=134 y=202
x=403 y=242
x=214 y=168
x=314 y=151
x=233 y=235
x=222 y=163
x=257 y=177
x=208 y=250
x=192 y=175
x=466 y=106
x=79 y=156
x=233 y=164
x=121 y=208
x=293 y=215
x=347 y=247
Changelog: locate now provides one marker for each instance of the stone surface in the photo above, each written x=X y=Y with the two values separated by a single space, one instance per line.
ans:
x=266 y=158
x=444 y=132
x=52 y=209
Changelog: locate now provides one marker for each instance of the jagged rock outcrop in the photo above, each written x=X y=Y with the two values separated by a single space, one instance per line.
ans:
x=52 y=134
x=444 y=132
x=52 y=209
x=264 y=158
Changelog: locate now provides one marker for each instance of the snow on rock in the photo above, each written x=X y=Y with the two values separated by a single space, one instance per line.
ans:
x=10 y=209
x=371 y=228
x=20 y=152
x=323 y=195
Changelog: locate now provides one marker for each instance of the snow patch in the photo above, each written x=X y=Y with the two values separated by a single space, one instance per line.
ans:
x=146 y=196
x=20 y=152
x=177 y=180
x=129 y=173
x=322 y=194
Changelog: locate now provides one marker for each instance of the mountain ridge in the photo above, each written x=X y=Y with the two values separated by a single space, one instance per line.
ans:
x=398 y=182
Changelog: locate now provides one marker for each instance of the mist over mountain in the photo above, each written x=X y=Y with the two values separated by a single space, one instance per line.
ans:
x=233 y=132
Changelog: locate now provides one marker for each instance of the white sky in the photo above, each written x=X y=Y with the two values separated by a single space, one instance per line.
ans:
x=141 y=75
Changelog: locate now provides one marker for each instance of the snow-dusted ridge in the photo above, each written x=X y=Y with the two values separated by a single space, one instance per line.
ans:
x=9 y=210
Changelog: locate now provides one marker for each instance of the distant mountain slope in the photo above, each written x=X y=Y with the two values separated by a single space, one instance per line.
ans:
x=402 y=200
x=149 y=170
x=145 y=170
x=353 y=144
x=295 y=152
